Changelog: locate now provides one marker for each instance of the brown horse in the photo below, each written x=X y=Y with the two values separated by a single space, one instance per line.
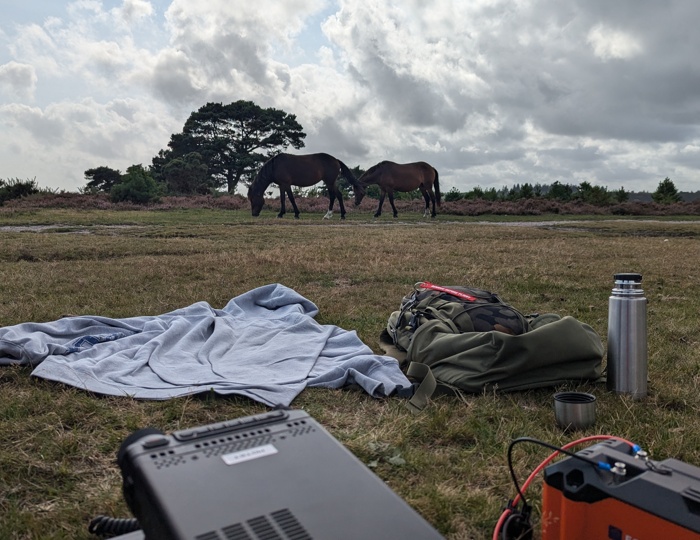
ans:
x=287 y=170
x=391 y=177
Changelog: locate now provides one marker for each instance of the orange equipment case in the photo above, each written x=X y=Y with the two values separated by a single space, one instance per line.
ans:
x=651 y=501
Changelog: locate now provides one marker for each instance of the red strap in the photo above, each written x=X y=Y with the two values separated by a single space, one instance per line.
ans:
x=458 y=294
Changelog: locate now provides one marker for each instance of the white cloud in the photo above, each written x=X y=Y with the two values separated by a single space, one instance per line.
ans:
x=34 y=45
x=610 y=44
x=135 y=10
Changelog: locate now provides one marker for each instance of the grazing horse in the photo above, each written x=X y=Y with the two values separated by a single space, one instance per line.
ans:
x=287 y=170
x=391 y=177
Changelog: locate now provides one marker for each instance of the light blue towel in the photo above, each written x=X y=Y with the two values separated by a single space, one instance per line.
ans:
x=264 y=344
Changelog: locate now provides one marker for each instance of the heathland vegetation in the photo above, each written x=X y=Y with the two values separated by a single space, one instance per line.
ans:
x=222 y=147
x=317 y=202
x=140 y=191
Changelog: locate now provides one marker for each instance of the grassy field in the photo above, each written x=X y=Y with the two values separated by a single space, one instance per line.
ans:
x=57 y=456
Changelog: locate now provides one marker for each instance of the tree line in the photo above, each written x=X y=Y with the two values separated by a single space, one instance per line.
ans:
x=223 y=146
x=666 y=193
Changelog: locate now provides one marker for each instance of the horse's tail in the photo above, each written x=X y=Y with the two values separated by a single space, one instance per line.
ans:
x=347 y=174
x=436 y=185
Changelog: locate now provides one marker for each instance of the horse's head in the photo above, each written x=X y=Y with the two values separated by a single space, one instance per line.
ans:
x=257 y=200
x=359 y=190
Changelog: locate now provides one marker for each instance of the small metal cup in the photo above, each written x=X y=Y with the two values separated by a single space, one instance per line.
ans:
x=574 y=410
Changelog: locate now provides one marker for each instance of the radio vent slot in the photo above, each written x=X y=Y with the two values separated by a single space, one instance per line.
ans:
x=279 y=525
x=263 y=529
x=236 y=532
x=211 y=535
x=290 y=525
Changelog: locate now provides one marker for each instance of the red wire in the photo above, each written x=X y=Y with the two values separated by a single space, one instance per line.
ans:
x=541 y=466
x=458 y=294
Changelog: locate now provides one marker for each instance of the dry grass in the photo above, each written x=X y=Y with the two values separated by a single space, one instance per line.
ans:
x=57 y=467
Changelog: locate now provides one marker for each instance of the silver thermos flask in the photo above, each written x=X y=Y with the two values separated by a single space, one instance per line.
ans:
x=627 y=337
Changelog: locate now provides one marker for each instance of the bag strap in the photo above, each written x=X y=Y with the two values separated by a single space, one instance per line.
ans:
x=407 y=306
x=434 y=313
x=427 y=386
x=425 y=389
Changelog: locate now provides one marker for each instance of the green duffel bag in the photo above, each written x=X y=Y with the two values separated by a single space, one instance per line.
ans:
x=442 y=356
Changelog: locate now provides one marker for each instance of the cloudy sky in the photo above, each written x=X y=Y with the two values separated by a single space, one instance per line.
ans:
x=490 y=92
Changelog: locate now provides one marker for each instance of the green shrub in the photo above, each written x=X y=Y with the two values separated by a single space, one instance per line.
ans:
x=453 y=195
x=136 y=186
x=14 y=188
x=666 y=192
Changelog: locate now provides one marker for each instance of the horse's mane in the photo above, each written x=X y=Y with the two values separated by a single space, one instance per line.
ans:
x=377 y=166
x=371 y=170
x=264 y=176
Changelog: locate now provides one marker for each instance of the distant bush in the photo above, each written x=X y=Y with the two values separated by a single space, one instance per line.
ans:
x=14 y=188
x=666 y=193
x=137 y=186
x=453 y=195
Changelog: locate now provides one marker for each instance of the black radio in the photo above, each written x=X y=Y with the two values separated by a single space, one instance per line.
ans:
x=275 y=475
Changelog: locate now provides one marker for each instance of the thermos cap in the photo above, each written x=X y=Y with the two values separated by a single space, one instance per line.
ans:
x=636 y=278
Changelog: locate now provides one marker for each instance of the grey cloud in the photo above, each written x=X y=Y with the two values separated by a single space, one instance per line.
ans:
x=244 y=54
x=615 y=176
x=42 y=126
x=564 y=89
x=330 y=137
x=221 y=48
x=19 y=78
x=284 y=77
x=621 y=121
x=172 y=79
x=551 y=90
x=510 y=131
x=471 y=158
x=580 y=154
x=105 y=146
x=409 y=100
x=125 y=108
x=224 y=53
x=687 y=159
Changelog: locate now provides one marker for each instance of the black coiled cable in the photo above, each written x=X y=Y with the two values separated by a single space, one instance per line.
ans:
x=106 y=526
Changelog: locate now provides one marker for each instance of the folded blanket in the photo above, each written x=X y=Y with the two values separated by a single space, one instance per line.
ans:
x=264 y=344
